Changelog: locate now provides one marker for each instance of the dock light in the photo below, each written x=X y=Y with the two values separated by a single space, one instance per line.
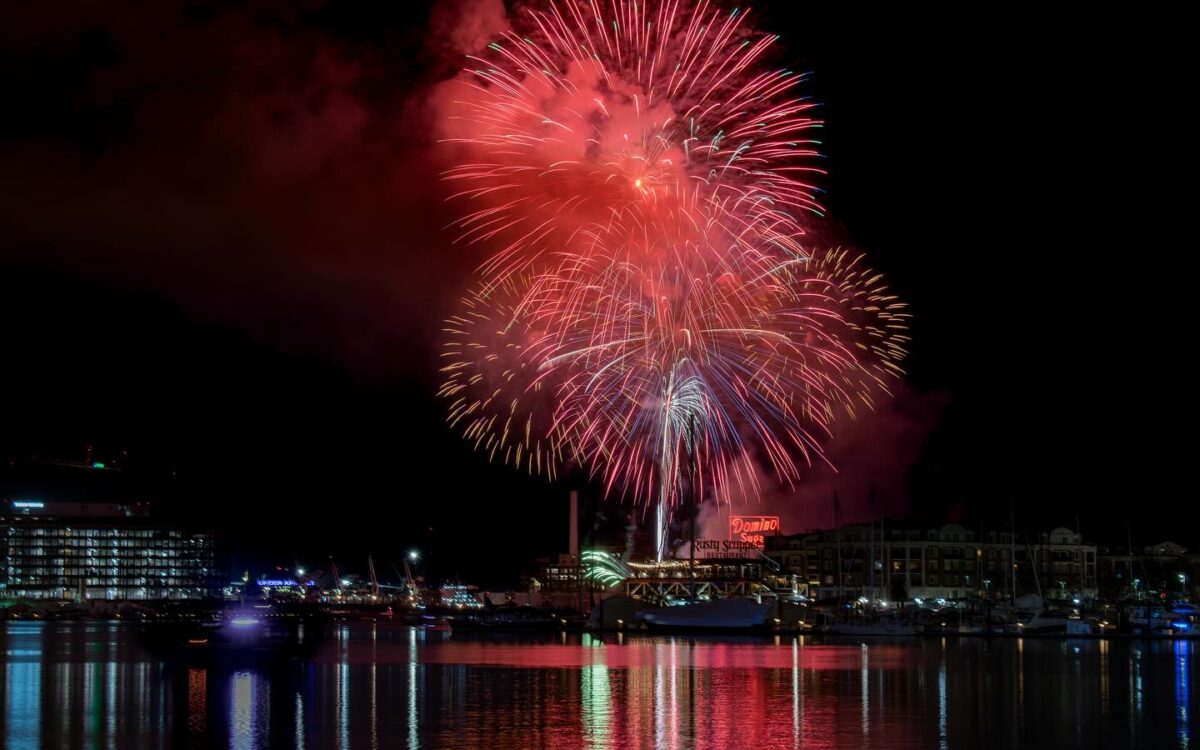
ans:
x=414 y=554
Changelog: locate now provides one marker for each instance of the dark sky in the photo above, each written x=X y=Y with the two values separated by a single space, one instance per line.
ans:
x=221 y=252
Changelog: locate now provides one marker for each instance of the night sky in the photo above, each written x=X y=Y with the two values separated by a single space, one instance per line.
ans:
x=222 y=264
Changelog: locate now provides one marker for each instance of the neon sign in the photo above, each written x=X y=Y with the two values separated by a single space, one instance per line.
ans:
x=753 y=529
x=725 y=549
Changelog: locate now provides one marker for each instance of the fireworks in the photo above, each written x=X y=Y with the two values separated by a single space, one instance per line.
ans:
x=649 y=307
x=603 y=568
x=594 y=112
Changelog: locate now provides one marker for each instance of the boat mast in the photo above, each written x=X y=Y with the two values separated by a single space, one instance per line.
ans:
x=837 y=524
x=871 y=544
x=885 y=573
x=1012 y=553
x=695 y=512
x=374 y=580
x=1037 y=581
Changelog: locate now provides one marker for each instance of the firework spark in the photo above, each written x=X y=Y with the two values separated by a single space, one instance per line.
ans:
x=649 y=308
x=592 y=112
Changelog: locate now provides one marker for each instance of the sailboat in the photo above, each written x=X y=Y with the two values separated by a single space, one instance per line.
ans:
x=1034 y=618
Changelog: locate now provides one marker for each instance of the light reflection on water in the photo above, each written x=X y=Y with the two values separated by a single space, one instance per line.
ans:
x=1183 y=656
x=92 y=685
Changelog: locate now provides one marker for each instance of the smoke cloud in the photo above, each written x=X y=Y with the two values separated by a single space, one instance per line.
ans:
x=264 y=167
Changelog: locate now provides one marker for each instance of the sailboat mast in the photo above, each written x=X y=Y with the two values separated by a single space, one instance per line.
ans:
x=695 y=512
x=1012 y=553
x=374 y=578
x=837 y=523
x=871 y=545
x=1037 y=581
x=885 y=563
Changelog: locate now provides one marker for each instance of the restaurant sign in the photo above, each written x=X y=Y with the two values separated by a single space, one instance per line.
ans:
x=753 y=529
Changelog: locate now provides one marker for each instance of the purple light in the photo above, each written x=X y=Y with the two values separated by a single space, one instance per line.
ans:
x=244 y=622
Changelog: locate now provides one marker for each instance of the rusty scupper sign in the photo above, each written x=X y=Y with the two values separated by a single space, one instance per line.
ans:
x=747 y=538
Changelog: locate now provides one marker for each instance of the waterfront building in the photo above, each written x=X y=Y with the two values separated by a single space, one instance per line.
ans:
x=1166 y=568
x=101 y=551
x=902 y=563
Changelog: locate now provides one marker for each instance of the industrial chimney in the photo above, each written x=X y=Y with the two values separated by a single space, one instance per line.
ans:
x=573 y=542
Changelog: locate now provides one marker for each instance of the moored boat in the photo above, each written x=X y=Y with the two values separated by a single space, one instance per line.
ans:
x=718 y=615
x=883 y=626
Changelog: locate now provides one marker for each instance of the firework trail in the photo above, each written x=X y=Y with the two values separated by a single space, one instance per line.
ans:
x=648 y=307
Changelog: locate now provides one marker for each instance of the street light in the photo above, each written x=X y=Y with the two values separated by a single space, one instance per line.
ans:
x=414 y=555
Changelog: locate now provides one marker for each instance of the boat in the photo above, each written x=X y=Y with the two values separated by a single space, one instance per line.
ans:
x=1153 y=619
x=870 y=629
x=1044 y=623
x=882 y=626
x=250 y=634
x=374 y=614
x=717 y=615
x=438 y=625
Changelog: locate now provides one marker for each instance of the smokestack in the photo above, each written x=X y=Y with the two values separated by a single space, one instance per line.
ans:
x=573 y=542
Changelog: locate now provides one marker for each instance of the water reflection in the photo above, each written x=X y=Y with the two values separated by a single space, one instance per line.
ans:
x=943 y=718
x=1183 y=655
x=299 y=721
x=241 y=711
x=594 y=695
x=23 y=683
x=91 y=685
x=197 y=700
x=413 y=686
